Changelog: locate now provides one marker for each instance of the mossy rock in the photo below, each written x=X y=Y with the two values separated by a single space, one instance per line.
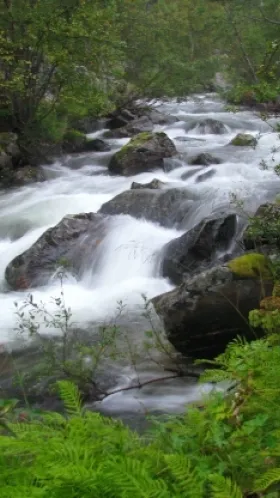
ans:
x=145 y=152
x=244 y=140
x=6 y=138
x=253 y=265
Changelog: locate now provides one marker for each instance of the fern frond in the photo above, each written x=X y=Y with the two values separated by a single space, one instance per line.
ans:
x=187 y=482
x=223 y=487
x=267 y=480
x=214 y=375
x=70 y=396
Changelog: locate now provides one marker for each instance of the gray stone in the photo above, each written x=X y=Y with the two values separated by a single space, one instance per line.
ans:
x=204 y=159
x=65 y=246
x=198 y=247
x=209 y=310
x=211 y=126
x=168 y=207
x=155 y=184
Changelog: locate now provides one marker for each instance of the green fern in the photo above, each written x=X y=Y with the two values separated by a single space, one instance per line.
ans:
x=222 y=487
x=186 y=479
x=267 y=480
x=70 y=396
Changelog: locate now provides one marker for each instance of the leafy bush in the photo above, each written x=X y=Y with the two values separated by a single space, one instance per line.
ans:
x=228 y=447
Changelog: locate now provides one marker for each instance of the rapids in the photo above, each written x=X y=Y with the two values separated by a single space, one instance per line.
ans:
x=127 y=265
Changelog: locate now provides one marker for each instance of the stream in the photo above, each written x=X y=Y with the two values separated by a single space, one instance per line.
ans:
x=129 y=267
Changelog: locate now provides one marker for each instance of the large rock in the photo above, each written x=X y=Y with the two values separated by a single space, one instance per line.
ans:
x=144 y=152
x=67 y=246
x=76 y=141
x=126 y=123
x=205 y=176
x=14 y=170
x=210 y=309
x=211 y=126
x=244 y=140
x=198 y=247
x=168 y=207
x=204 y=159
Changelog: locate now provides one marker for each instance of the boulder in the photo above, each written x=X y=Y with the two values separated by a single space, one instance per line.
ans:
x=67 y=245
x=211 y=126
x=211 y=309
x=190 y=172
x=198 y=247
x=204 y=159
x=144 y=120
x=76 y=141
x=155 y=184
x=144 y=152
x=205 y=176
x=27 y=175
x=244 y=140
x=168 y=207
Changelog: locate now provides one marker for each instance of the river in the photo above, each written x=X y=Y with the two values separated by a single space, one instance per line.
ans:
x=127 y=265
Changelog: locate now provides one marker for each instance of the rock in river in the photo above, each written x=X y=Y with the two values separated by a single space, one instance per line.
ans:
x=211 y=308
x=65 y=245
x=145 y=152
x=198 y=247
x=169 y=207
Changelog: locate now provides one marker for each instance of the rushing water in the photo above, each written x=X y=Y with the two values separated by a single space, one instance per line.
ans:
x=128 y=267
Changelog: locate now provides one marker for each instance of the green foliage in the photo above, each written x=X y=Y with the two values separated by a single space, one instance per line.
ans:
x=227 y=447
x=251 y=265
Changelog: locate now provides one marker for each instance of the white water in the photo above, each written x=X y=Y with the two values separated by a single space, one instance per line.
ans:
x=127 y=263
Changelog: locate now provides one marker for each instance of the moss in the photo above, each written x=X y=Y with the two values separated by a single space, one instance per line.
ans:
x=74 y=136
x=253 y=265
x=243 y=140
x=136 y=142
x=63 y=262
x=6 y=138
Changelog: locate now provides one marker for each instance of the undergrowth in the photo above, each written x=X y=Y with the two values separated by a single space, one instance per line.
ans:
x=228 y=447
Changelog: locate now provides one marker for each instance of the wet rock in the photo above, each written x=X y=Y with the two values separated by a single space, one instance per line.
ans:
x=168 y=207
x=209 y=310
x=27 y=175
x=144 y=152
x=155 y=184
x=144 y=120
x=211 y=126
x=197 y=248
x=191 y=172
x=75 y=141
x=65 y=246
x=204 y=159
x=205 y=176
x=244 y=140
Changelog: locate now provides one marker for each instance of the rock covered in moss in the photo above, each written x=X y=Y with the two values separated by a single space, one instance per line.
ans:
x=77 y=141
x=252 y=265
x=145 y=152
x=209 y=310
x=244 y=140
x=65 y=245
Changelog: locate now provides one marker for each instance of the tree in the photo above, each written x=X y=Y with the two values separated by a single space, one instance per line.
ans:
x=57 y=57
